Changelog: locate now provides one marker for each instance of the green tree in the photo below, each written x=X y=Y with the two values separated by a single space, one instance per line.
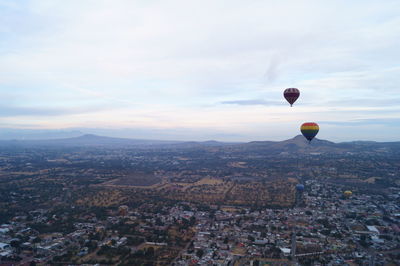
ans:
x=200 y=253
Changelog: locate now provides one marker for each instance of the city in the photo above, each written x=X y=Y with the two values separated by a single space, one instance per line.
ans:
x=222 y=204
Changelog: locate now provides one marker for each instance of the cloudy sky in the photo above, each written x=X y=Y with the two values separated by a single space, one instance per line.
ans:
x=201 y=69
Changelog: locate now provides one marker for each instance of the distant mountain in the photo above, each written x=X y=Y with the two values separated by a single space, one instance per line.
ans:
x=95 y=140
x=298 y=144
x=208 y=143
x=89 y=140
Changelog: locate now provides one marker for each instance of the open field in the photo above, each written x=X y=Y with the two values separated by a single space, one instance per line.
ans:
x=206 y=190
x=136 y=179
x=103 y=198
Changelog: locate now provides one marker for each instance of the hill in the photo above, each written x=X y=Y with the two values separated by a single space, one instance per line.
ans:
x=298 y=144
x=87 y=140
x=95 y=140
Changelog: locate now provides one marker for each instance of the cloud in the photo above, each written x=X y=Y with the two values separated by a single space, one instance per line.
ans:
x=14 y=111
x=362 y=102
x=387 y=122
x=252 y=102
x=273 y=69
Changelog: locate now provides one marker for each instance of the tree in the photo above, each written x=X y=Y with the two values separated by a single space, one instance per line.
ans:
x=37 y=240
x=363 y=241
x=200 y=253
x=15 y=244
x=149 y=252
x=159 y=222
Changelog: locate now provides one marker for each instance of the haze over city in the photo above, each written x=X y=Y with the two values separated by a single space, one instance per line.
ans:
x=200 y=70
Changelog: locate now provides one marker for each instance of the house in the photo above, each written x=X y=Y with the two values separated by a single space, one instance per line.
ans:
x=4 y=246
x=5 y=250
x=285 y=251
x=373 y=229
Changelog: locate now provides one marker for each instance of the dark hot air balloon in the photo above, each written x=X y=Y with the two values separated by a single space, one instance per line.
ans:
x=291 y=95
x=309 y=130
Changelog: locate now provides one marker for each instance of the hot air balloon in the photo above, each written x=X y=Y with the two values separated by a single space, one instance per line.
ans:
x=347 y=193
x=291 y=95
x=300 y=187
x=309 y=130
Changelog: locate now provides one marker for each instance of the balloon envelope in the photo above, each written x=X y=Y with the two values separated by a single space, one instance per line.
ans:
x=348 y=193
x=291 y=95
x=309 y=130
x=300 y=187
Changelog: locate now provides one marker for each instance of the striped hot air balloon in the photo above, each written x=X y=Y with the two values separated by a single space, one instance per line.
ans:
x=309 y=130
x=291 y=95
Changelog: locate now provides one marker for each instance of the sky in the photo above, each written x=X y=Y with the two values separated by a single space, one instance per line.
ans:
x=199 y=70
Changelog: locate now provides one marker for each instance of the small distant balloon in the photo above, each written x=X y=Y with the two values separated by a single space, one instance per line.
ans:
x=347 y=193
x=291 y=95
x=300 y=187
x=309 y=130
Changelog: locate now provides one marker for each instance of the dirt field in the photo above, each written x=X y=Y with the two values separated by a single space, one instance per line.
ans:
x=134 y=180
